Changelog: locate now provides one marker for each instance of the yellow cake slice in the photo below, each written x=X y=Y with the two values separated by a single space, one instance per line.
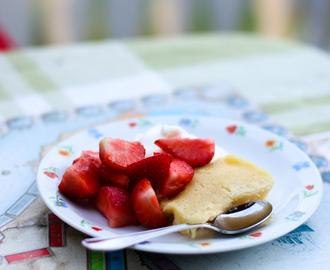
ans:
x=215 y=188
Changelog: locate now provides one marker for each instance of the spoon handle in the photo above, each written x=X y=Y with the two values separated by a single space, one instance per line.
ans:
x=127 y=240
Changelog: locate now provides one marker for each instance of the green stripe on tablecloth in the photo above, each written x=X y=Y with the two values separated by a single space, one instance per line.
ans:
x=28 y=69
x=58 y=100
x=277 y=107
x=162 y=53
x=9 y=109
x=311 y=129
x=3 y=94
x=114 y=260
x=86 y=63
x=96 y=260
x=304 y=120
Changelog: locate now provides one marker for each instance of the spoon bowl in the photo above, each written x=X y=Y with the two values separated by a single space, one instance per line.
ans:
x=236 y=220
x=243 y=217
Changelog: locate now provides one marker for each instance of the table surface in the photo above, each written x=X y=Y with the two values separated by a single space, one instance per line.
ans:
x=49 y=93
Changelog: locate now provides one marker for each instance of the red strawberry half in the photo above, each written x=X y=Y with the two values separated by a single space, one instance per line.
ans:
x=154 y=168
x=115 y=204
x=94 y=157
x=180 y=174
x=196 y=152
x=111 y=177
x=81 y=180
x=118 y=154
x=146 y=205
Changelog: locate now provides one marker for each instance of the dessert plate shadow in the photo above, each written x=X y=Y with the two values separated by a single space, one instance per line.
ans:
x=295 y=196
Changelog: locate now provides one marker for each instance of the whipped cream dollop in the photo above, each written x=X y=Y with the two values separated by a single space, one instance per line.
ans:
x=160 y=131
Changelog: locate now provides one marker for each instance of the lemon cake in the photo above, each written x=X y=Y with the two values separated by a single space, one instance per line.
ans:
x=215 y=188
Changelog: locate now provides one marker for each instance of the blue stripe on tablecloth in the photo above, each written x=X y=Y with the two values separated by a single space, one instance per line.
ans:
x=4 y=220
x=21 y=205
x=116 y=260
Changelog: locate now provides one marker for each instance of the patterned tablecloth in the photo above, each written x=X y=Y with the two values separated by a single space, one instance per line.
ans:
x=47 y=94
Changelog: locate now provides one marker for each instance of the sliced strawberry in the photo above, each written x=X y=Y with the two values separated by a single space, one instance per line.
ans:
x=196 y=152
x=81 y=180
x=111 y=177
x=115 y=204
x=146 y=205
x=154 y=168
x=93 y=157
x=180 y=174
x=118 y=154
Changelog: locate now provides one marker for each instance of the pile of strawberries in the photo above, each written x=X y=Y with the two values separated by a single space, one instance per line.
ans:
x=123 y=184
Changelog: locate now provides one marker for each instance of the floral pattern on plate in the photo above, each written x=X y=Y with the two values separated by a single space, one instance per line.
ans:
x=251 y=236
x=237 y=130
x=85 y=223
x=309 y=191
x=58 y=201
x=295 y=216
x=188 y=122
x=51 y=172
x=200 y=245
x=301 y=165
x=274 y=145
x=65 y=151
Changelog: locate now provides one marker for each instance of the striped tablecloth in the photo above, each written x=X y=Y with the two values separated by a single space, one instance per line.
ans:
x=46 y=94
x=287 y=80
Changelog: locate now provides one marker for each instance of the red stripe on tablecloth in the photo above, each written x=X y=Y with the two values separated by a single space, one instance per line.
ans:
x=53 y=218
x=39 y=253
x=55 y=234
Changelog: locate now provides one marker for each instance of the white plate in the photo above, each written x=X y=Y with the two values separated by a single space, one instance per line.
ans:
x=295 y=196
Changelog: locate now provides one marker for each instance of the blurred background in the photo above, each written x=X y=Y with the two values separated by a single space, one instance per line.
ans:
x=43 y=22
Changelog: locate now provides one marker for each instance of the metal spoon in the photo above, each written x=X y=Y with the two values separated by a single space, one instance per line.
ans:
x=236 y=220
